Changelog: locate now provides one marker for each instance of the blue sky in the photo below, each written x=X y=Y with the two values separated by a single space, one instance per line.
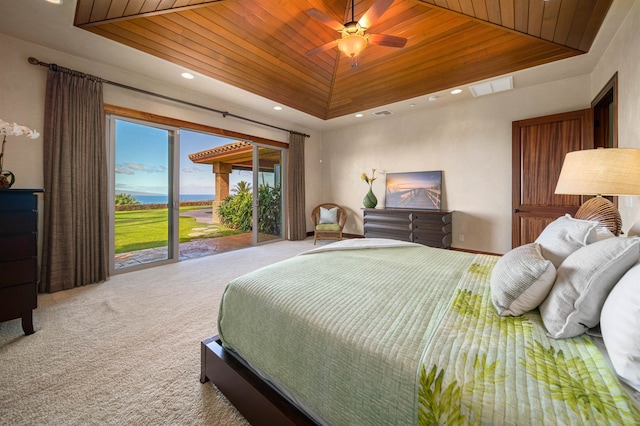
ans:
x=142 y=161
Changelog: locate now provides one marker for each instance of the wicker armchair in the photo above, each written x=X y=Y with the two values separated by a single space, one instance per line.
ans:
x=328 y=226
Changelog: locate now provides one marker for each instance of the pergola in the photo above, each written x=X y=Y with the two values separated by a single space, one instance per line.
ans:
x=225 y=159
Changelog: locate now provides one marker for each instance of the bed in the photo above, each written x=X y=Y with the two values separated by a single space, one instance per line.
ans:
x=383 y=332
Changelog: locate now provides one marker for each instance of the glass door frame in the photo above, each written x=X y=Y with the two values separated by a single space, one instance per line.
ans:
x=173 y=205
x=256 y=179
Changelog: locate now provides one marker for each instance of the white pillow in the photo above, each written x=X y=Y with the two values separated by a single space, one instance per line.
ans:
x=521 y=280
x=328 y=215
x=634 y=231
x=583 y=283
x=620 y=326
x=603 y=233
x=565 y=235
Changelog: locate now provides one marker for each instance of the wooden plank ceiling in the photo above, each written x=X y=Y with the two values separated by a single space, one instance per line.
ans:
x=260 y=45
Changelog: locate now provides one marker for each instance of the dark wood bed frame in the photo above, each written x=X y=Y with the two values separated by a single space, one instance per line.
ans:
x=255 y=399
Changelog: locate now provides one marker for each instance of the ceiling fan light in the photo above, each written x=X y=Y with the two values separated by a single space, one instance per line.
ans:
x=352 y=44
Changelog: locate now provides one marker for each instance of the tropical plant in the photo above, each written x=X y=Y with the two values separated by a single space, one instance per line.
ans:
x=236 y=211
x=242 y=187
x=269 y=211
x=123 y=199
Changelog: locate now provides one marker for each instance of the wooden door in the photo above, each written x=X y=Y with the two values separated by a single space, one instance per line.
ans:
x=539 y=147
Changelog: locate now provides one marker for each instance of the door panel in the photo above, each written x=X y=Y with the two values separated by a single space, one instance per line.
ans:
x=144 y=229
x=539 y=147
x=268 y=198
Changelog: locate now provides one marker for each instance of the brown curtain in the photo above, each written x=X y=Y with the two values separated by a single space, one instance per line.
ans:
x=75 y=250
x=295 y=189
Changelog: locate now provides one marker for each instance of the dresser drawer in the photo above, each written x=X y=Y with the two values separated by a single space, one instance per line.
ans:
x=433 y=240
x=14 y=247
x=431 y=218
x=17 y=299
x=18 y=222
x=434 y=227
x=14 y=200
x=21 y=271
x=389 y=233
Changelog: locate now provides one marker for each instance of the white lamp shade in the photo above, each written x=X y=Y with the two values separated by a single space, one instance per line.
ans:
x=610 y=171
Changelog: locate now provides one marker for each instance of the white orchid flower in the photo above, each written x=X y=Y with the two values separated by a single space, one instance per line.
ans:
x=33 y=134
x=14 y=129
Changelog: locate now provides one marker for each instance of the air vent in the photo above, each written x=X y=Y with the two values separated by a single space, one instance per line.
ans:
x=493 y=86
x=382 y=113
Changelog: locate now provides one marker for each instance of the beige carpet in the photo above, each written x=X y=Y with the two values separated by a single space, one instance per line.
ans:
x=126 y=352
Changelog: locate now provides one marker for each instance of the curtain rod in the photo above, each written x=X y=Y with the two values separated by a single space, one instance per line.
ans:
x=54 y=67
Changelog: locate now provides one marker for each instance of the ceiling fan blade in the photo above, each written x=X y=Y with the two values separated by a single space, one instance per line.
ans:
x=387 y=40
x=374 y=13
x=322 y=48
x=325 y=19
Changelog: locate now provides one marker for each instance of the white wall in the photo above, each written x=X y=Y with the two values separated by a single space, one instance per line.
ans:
x=623 y=56
x=470 y=141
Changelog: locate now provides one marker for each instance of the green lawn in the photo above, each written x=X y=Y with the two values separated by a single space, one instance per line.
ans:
x=142 y=229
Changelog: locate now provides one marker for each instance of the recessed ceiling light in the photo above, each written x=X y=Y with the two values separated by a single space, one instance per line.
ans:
x=456 y=91
x=432 y=98
x=277 y=108
x=187 y=75
x=55 y=1
x=359 y=115
x=412 y=105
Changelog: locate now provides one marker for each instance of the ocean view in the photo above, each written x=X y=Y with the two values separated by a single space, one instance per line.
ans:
x=164 y=199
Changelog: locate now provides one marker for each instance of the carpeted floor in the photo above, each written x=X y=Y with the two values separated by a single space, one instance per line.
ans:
x=126 y=352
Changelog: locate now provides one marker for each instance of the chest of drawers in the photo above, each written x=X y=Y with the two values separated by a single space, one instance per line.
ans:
x=428 y=227
x=19 y=255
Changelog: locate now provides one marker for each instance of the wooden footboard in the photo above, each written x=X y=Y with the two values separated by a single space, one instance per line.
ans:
x=256 y=400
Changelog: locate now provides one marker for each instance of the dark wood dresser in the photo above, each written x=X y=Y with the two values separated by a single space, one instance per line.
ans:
x=428 y=227
x=19 y=255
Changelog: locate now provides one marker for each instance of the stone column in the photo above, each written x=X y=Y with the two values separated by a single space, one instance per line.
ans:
x=222 y=171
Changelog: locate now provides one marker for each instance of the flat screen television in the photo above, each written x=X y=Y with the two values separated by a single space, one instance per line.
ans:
x=414 y=190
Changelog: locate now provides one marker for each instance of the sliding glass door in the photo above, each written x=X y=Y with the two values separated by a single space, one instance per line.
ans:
x=179 y=193
x=143 y=189
x=268 y=200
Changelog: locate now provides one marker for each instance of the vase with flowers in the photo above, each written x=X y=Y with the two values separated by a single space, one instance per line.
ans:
x=370 y=201
x=7 y=178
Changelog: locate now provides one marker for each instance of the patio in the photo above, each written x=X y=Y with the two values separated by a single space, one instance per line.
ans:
x=190 y=250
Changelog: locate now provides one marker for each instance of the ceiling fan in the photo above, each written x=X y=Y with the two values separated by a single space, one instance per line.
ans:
x=353 y=39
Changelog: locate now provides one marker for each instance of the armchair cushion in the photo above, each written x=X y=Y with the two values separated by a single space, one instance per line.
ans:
x=328 y=227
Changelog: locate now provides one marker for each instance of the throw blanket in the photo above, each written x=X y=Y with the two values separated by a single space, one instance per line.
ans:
x=481 y=368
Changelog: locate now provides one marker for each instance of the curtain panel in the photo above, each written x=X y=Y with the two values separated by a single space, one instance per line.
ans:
x=75 y=249
x=297 y=226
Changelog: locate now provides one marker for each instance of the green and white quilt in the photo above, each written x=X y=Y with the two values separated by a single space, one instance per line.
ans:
x=481 y=368
x=396 y=333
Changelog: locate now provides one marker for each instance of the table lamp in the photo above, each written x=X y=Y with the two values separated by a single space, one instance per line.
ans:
x=608 y=171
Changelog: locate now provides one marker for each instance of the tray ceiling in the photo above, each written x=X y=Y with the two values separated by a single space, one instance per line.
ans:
x=260 y=45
